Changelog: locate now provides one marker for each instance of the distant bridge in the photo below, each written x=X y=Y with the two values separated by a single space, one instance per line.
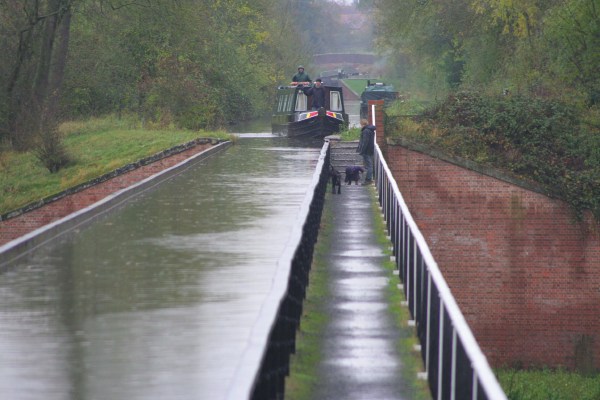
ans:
x=345 y=58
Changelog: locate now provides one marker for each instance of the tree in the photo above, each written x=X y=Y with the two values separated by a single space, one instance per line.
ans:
x=542 y=47
x=572 y=33
x=430 y=35
x=518 y=18
x=35 y=74
x=193 y=63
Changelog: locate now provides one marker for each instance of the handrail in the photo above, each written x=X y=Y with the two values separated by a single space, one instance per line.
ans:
x=455 y=365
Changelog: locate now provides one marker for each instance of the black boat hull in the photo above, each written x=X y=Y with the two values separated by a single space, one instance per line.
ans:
x=319 y=126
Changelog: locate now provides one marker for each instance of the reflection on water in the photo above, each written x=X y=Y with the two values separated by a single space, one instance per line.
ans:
x=261 y=124
x=155 y=300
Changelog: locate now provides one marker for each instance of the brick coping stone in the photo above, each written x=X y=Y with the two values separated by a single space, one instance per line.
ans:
x=52 y=208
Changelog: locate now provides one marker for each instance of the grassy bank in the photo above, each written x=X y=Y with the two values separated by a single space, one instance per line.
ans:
x=95 y=147
x=304 y=363
x=357 y=85
x=548 y=384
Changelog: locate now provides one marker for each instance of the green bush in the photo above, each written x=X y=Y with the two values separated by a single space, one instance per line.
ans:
x=538 y=139
x=350 y=134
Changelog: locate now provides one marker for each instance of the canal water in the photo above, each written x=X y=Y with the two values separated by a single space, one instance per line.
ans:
x=155 y=300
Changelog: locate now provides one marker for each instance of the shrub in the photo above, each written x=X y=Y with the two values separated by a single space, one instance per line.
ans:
x=538 y=139
x=350 y=134
x=49 y=148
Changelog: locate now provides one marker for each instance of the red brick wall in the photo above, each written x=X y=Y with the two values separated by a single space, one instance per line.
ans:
x=526 y=276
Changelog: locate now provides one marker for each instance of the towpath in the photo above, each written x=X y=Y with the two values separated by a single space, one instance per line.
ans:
x=349 y=94
x=366 y=350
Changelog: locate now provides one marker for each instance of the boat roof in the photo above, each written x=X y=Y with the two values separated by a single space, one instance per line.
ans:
x=377 y=91
x=287 y=87
x=379 y=87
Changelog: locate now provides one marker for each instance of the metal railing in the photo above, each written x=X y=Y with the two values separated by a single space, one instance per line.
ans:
x=265 y=363
x=455 y=366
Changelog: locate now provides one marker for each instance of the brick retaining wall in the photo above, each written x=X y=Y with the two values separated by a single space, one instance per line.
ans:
x=526 y=276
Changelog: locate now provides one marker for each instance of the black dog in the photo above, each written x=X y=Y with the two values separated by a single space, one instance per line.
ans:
x=353 y=174
x=336 y=180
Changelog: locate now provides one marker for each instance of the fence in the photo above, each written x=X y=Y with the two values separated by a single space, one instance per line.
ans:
x=265 y=363
x=454 y=364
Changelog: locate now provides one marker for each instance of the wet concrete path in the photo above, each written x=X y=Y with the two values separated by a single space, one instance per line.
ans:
x=361 y=353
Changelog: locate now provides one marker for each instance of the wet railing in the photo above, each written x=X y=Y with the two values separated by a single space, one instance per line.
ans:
x=455 y=366
x=265 y=363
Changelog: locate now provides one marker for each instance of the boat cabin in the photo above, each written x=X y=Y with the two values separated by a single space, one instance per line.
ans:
x=293 y=111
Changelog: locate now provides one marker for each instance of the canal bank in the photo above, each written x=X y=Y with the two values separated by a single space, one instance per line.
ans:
x=45 y=211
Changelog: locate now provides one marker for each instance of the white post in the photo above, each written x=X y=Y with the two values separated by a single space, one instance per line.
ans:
x=440 y=350
x=373 y=120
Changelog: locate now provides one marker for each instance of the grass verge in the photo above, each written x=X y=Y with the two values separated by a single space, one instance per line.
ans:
x=96 y=146
x=304 y=363
x=350 y=134
x=357 y=85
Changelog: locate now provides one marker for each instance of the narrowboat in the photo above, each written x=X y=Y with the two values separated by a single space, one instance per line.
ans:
x=293 y=115
x=376 y=91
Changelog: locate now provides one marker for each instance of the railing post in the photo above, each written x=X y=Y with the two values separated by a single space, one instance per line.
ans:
x=475 y=389
x=440 y=351
x=453 y=377
x=407 y=281
x=414 y=277
x=428 y=340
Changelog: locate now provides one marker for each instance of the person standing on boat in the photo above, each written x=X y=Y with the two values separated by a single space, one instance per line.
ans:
x=318 y=94
x=301 y=76
x=366 y=148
